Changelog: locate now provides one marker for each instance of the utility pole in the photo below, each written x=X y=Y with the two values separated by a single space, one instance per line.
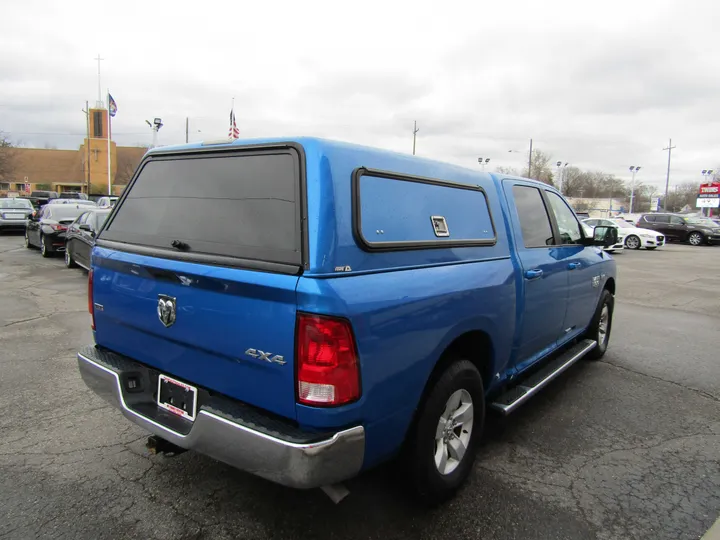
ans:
x=187 y=132
x=667 y=179
x=530 y=161
x=415 y=130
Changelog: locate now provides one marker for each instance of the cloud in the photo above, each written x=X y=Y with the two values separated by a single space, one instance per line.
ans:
x=601 y=86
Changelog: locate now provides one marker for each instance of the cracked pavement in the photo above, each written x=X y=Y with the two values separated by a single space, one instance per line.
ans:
x=628 y=447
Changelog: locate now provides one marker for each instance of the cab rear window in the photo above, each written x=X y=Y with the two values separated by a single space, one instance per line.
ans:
x=238 y=205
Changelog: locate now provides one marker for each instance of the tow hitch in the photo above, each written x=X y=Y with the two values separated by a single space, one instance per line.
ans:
x=158 y=445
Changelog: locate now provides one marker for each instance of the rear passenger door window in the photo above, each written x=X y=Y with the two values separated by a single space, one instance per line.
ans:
x=534 y=220
x=567 y=223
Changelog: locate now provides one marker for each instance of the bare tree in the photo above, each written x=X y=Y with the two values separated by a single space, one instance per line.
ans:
x=510 y=171
x=541 y=169
x=126 y=168
x=7 y=158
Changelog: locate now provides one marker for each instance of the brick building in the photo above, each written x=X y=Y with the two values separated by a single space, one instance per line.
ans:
x=84 y=169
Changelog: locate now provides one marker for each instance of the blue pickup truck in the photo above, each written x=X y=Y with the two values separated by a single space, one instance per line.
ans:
x=305 y=309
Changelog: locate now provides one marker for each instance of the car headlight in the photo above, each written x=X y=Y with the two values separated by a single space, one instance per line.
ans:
x=647 y=235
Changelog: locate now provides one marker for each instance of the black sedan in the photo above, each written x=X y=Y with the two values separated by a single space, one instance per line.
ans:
x=80 y=237
x=46 y=229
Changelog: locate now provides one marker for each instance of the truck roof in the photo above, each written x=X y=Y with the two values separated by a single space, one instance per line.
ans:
x=392 y=160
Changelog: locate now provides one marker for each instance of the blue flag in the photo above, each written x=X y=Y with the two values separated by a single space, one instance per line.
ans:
x=112 y=106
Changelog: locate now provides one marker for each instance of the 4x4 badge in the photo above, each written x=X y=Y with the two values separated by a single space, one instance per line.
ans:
x=166 y=309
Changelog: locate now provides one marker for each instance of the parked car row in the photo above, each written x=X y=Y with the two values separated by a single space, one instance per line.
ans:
x=651 y=231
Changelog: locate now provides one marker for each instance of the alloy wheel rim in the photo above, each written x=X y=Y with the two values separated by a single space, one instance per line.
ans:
x=695 y=239
x=603 y=325
x=632 y=242
x=453 y=432
x=67 y=257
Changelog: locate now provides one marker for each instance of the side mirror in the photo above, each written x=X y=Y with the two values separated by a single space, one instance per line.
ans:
x=605 y=236
x=85 y=227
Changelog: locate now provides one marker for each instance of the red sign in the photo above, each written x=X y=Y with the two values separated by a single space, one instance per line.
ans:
x=712 y=188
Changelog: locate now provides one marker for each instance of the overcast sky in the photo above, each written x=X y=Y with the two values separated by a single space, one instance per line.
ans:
x=601 y=85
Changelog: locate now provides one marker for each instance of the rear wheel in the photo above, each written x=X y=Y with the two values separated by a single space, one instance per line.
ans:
x=601 y=325
x=45 y=249
x=69 y=261
x=447 y=431
x=633 y=242
x=695 y=238
x=27 y=241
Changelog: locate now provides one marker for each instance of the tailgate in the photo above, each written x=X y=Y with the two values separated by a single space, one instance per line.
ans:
x=213 y=236
x=223 y=318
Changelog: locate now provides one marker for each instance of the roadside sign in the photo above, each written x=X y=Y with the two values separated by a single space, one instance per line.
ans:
x=711 y=189
x=654 y=203
x=707 y=202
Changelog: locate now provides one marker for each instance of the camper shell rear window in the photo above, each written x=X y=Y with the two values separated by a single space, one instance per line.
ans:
x=245 y=205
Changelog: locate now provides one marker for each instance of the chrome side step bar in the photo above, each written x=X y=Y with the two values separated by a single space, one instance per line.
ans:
x=516 y=396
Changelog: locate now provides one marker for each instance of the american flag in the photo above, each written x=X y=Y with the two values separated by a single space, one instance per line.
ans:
x=233 y=132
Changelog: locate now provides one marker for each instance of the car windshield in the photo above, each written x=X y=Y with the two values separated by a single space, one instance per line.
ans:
x=700 y=221
x=621 y=223
x=15 y=203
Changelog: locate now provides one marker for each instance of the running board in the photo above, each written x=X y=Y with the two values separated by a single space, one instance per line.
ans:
x=516 y=396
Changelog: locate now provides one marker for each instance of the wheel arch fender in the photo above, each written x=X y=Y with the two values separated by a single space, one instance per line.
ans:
x=475 y=340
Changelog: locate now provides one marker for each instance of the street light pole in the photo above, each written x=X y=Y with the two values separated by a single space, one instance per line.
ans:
x=633 y=170
x=559 y=164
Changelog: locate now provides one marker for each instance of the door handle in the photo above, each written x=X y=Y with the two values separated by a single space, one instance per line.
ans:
x=533 y=274
x=574 y=265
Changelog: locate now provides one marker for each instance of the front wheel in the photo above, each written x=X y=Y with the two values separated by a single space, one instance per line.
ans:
x=27 y=241
x=601 y=325
x=633 y=242
x=695 y=239
x=447 y=431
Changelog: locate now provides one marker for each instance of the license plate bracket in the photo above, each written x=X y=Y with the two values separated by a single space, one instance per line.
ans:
x=177 y=397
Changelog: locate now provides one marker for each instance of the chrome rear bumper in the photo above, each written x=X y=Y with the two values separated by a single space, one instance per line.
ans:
x=303 y=466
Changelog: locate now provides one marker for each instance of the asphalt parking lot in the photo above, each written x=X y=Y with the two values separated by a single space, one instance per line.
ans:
x=628 y=447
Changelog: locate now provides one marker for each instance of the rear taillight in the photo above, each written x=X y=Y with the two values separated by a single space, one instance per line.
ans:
x=58 y=227
x=91 y=304
x=328 y=372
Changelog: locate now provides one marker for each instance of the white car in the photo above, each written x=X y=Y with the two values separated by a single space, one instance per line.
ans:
x=589 y=233
x=107 y=202
x=634 y=237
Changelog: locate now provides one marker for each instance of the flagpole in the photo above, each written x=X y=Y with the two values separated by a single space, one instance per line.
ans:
x=109 y=135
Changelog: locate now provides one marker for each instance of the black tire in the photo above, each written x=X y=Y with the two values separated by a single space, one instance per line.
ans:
x=27 y=241
x=695 y=238
x=651 y=248
x=45 y=250
x=635 y=242
x=431 y=486
x=69 y=261
x=594 y=331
